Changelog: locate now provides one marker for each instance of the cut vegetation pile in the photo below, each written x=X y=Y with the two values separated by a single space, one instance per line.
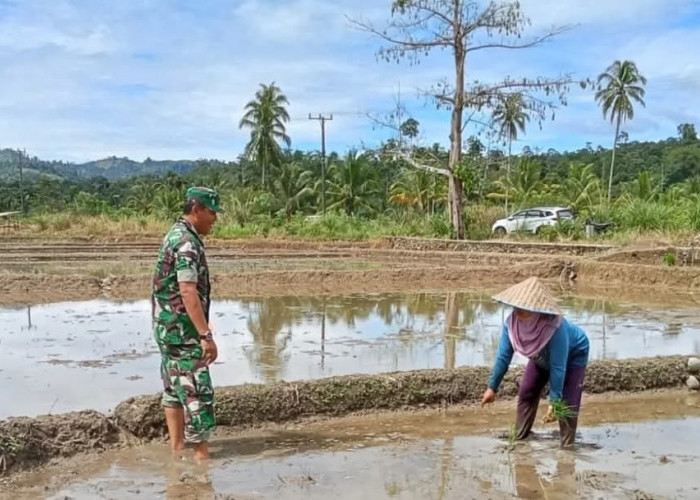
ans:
x=28 y=441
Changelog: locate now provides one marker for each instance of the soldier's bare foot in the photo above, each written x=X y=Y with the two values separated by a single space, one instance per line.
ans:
x=201 y=451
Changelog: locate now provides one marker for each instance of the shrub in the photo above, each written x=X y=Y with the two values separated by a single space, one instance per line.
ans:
x=91 y=204
x=61 y=222
x=651 y=216
x=548 y=233
x=439 y=226
x=42 y=224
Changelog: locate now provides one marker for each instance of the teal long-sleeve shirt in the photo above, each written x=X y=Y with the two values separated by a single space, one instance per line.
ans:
x=568 y=346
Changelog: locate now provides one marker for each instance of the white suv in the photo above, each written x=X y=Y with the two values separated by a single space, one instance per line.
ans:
x=531 y=220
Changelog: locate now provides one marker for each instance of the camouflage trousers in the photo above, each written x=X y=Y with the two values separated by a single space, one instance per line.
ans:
x=187 y=384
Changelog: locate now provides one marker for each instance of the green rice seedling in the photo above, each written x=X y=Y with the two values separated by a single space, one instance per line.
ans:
x=562 y=411
x=669 y=259
x=512 y=435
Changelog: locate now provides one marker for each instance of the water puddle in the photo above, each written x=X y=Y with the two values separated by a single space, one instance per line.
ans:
x=446 y=455
x=56 y=357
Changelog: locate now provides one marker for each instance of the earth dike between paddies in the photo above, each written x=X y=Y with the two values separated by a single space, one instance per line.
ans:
x=29 y=442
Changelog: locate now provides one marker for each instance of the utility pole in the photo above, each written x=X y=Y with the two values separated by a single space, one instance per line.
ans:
x=398 y=112
x=21 y=182
x=323 y=120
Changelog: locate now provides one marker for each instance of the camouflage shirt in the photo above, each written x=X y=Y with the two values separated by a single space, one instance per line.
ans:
x=181 y=258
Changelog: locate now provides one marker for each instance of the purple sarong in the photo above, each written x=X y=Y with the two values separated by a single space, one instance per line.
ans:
x=530 y=392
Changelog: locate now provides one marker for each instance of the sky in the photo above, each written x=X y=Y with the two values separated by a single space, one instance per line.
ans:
x=169 y=79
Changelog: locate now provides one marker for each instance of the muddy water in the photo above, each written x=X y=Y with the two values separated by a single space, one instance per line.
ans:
x=66 y=356
x=422 y=455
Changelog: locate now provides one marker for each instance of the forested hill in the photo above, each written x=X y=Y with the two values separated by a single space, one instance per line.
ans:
x=111 y=168
x=674 y=159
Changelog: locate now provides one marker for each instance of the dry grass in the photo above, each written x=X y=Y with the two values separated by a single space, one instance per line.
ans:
x=70 y=225
x=479 y=219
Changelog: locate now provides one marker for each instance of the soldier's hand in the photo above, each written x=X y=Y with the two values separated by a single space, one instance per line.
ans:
x=210 y=351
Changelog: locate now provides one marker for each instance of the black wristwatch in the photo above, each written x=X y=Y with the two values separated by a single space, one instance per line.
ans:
x=206 y=336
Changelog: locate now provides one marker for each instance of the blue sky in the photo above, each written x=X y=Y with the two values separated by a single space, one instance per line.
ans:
x=85 y=79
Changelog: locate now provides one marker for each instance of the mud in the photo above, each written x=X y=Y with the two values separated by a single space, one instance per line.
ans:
x=26 y=442
x=510 y=247
x=640 y=276
x=23 y=245
x=32 y=289
x=442 y=454
x=682 y=256
x=254 y=404
x=37 y=289
x=36 y=272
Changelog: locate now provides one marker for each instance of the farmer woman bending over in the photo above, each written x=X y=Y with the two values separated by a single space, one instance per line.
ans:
x=558 y=354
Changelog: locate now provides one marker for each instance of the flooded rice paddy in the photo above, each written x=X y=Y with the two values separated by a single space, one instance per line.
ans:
x=72 y=355
x=423 y=455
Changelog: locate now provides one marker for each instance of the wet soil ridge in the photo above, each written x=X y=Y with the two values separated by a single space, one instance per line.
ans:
x=32 y=288
x=400 y=275
x=604 y=273
x=25 y=442
x=49 y=271
x=252 y=404
x=38 y=288
x=681 y=256
x=424 y=244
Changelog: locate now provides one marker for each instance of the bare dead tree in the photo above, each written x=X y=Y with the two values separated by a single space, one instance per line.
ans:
x=418 y=27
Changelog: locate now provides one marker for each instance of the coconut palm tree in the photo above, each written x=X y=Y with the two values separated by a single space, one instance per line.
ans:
x=291 y=186
x=412 y=189
x=141 y=196
x=619 y=86
x=510 y=117
x=352 y=184
x=525 y=185
x=265 y=116
x=167 y=202
x=644 y=187
x=582 y=187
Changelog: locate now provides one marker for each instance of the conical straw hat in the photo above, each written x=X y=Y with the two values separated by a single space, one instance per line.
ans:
x=530 y=295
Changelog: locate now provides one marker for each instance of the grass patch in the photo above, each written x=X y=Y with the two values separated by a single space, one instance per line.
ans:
x=636 y=222
x=10 y=447
x=669 y=259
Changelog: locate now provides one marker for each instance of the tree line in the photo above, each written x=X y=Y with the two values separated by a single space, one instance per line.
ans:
x=403 y=178
x=370 y=183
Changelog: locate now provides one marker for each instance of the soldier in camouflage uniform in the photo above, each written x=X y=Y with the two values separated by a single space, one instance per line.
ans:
x=181 y=328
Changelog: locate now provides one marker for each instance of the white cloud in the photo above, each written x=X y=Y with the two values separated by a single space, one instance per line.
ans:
x=616 y=14
x=84 y=79
x=294 y=20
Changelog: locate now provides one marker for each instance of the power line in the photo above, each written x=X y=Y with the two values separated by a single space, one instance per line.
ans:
x=333 y=113
x=323 y=120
